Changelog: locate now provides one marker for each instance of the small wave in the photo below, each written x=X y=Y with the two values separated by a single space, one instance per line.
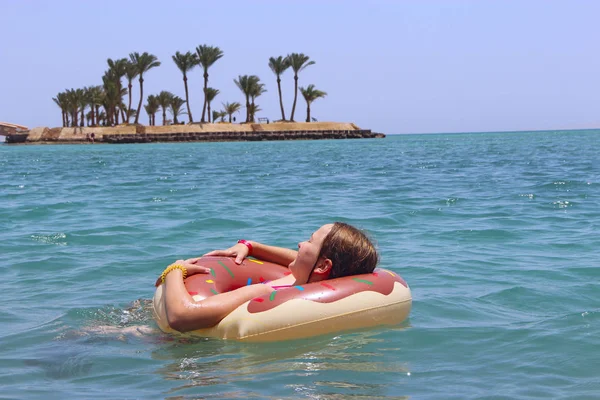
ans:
x=565 y=185
x=562 y=204
x=139 y=311
x=58 y=239
x=530 y=196
x=65 y=366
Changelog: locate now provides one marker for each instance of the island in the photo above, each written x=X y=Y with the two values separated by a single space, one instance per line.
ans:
x=107 y=113
x=195 y=132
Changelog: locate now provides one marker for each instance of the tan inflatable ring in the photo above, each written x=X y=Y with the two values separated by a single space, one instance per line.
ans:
x=294 y=312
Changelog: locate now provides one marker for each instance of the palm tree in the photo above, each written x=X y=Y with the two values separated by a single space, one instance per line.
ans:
x=298 y=62
x=111 y=99
x=256 y=90
x=164 y=99
x=186 y=62
x=310 y=94
x=131 y=72
x=74 y=100
x=82 y=103
x=111 y=85
x=95 y=96
x=152 y=108
x=62 y=102
x=150 y=113
x=143 y=63
x=210 y=95
x=88 y=118
x=117 y=70
x=253 y=109
x=246 y=84
x=207 y=56
x=278 y=66
x=221 y=114
x=101 y=118
x=176 y=104
x=231 y=108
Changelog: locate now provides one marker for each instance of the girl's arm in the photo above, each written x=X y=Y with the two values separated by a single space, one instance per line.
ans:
x=277 y=255
x=184 y=314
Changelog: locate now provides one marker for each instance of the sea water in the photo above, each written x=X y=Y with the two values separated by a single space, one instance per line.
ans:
x=497 y=234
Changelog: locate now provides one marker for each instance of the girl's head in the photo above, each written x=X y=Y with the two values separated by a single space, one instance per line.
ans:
x=333 y=251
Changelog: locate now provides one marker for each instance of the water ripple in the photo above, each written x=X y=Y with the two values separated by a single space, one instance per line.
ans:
x=495 y=233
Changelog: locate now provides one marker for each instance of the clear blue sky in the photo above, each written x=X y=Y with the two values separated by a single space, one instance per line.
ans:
x=392 y=66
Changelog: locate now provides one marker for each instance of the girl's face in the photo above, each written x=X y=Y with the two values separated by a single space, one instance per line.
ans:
x=308 y=254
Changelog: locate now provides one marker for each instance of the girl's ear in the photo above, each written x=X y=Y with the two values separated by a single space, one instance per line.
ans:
x=323 y=268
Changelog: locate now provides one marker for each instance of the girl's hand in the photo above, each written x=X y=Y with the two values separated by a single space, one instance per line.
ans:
x=239 y=251
x=192 y=269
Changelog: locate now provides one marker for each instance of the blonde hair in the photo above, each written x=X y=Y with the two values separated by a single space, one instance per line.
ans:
x=350 y=250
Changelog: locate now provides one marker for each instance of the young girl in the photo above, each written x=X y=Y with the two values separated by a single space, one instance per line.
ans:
x=333 y=251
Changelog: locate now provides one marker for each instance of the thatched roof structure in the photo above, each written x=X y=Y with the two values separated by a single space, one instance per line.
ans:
x=9 y=129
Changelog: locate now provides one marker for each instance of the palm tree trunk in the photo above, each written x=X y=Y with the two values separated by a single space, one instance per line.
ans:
x=209 y=114
x=82 y=123
x=116 y=111
x=164 y=116
x=93 y=122
x=137 y=115
x=307 y=112
x=280 y=98
x=295 y=96
x=130 y=86
x=247 y=109
x=229 y=118
x=123 y=115
x=63 y=117
x=205 y=87
x=187 y=99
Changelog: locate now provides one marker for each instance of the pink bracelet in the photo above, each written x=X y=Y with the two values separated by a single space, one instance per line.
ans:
x=247 y=244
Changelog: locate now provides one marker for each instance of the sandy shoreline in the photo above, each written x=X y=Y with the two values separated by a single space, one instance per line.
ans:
x=193 y=132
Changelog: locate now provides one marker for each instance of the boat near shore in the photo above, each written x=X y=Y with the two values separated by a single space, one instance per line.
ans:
x=197 y=132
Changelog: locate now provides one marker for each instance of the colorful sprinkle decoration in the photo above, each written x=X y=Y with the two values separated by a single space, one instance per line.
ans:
x=226 y=268
x=363 y=281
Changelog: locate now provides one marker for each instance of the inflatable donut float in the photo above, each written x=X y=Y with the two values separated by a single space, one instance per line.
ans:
x=294 y=312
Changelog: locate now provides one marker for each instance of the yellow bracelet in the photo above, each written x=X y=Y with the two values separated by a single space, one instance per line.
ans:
x=171 y=268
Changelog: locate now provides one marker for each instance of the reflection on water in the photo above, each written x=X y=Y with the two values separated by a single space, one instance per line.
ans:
x=350 y=365
x=347 y=364
x=326 y=367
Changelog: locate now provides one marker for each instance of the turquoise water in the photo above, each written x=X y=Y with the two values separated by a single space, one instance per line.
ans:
x=497 y=234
